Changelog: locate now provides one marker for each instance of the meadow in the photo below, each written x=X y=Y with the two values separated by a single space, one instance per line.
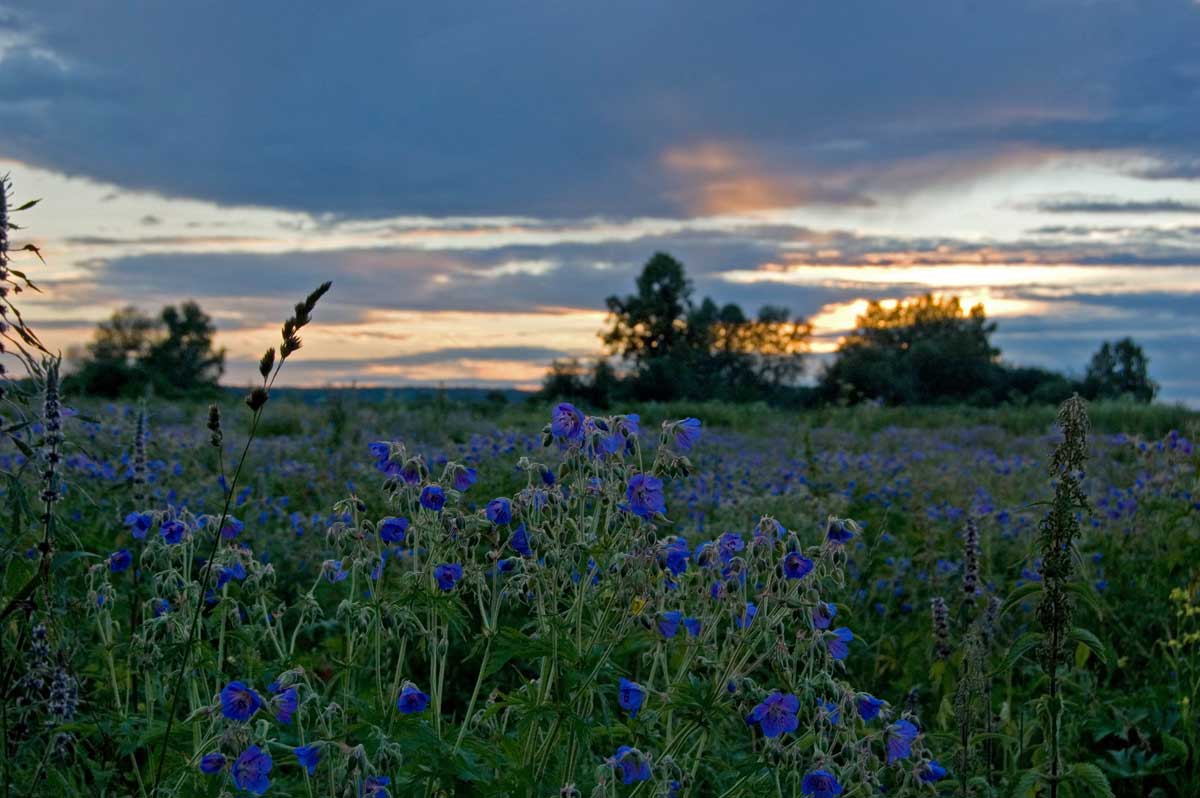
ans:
x=438 y=597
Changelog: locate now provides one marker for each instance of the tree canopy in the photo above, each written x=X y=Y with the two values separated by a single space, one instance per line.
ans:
x=1119 y=369
x=131 y=353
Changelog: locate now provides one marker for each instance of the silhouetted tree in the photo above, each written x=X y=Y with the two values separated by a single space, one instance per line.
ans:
x=924 y=349
x=1119 y=369
x=131 y=354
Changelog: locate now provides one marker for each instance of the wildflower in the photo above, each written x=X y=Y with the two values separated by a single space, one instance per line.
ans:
x=776 y=714
x=119 y=560
x=229 y=573
x=566 y=423
x=285 y=705
x=172 y=532
x=376 y=787
x=820 y=784
x=686 y=433
x=233 y=527
x=464 y=478
x=519 y=540
x=392 y=530
x=161 y=607
x=239 y=702
x=931 y=771
x=674 y=554
x=411 y=700
x=139 y=524
x=941 y=627
x=743 y=621
x=633 y=764
x=433 y=498
x=381 y=451
x=728 y=545
x=900 y=736
x=333 y=571
x=839 y=644
x=869 y=706
x=796 y=565
x=250 y=771
x=309 y=756
x=630 y=696
x=212 y=763
x=645 y=496
x=499 y=511
x=829 y=711
x=971 y=552
x=410 y=472
x=447 y=575
x=823 y=615
x=693 y=626
x=838 y=532
x=668 y=622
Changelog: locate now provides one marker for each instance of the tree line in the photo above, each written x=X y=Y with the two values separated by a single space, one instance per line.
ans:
x=663 y=345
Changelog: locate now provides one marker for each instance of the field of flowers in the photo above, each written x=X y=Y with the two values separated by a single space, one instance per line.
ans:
x=426 y=598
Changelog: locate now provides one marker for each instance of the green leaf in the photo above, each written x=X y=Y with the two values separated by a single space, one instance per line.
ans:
x=28 y=205
x=1092 y=778
x=1023 y=645
x=1026 y=784
x=1173 y=745
x=1085 y=638
x=1019 y=595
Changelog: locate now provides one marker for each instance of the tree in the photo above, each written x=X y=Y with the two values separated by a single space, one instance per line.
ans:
x=924 y=349
x=1119 y=369
x=131 y=353
x=678 y=349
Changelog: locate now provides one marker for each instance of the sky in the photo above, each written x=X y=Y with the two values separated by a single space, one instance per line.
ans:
x=475 y=178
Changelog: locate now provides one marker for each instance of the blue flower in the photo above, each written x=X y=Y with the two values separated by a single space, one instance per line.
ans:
x=931 y=771
x=465 y=478
x=839 y=644
x=239 y=702
x=519 y=540
x=411 y=700
x=687 y=433
x=447 y=575
x=285 y=705
x=823 y=614
x=869 y=706
x=693 y=626
x=645 y=496
x=837 y=532
x=566 y=423
x=674 y=555
x=172 y=532
x=309 y=756
x=776 y=715
x=375 y=787
x=630 y=696
x=232 y=528
x=382 y=452
x=499 y=511
x=212 y=763
x=392 y=529
x=900 y=736
x=796 y=565
x=633 y=764
x=820 y=784
x=668 y=622
x=139 y=524
x=229 y=573
x=433 y=498
x=728 y=545
x=119 y=560
x=251 y=770
x=744 y=620
x=829 y=711
x=333 y=571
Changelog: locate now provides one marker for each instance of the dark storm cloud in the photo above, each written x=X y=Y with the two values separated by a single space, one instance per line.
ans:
x=1104 y=205
x=569 y=109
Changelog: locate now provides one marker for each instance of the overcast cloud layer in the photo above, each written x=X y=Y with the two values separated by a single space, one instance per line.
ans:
x=476 y=177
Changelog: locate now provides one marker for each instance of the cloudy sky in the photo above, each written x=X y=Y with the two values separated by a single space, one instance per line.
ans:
x=476 y=177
